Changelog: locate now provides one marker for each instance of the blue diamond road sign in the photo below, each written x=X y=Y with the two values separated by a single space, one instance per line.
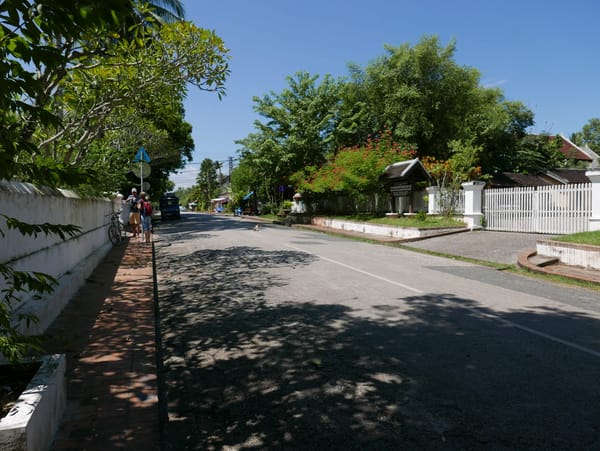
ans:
x=142 y=155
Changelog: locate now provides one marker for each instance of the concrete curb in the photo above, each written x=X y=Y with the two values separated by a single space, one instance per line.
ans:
x=31 y=423
x=571 y=272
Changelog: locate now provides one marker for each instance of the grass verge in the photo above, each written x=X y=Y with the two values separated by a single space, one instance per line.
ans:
x=591 y=238
x=418 y=221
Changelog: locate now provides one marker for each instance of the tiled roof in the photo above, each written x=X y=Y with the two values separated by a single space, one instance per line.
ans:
x=571 y=175
x=553 y=177
x=510 y=179
x=410 y=170
x=573 y=151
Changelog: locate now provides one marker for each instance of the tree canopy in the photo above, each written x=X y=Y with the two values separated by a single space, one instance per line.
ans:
x=207 y=183
x=296 y=130
x=417 y=94
x=86 y=86
x=589 y=135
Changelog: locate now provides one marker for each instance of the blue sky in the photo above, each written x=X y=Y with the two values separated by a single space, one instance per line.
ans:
x=542 y=53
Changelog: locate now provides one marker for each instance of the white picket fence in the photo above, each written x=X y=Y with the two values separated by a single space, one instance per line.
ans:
x=555 y=209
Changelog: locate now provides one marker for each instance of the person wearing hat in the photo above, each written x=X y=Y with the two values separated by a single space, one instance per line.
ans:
x=134 y=212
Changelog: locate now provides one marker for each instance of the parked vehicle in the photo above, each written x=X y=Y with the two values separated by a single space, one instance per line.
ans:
x=169 y=206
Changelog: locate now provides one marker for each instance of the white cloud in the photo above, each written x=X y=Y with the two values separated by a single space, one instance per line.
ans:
x=492 y=83
x=186 y=177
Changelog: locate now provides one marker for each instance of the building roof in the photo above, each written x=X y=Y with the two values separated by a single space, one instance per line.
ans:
x=511 y=179
x=568 y=176
x=544 y=178
x=408 y=171
x=575 y=152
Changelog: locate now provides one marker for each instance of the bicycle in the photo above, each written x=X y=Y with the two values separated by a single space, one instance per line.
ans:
x=115 y=229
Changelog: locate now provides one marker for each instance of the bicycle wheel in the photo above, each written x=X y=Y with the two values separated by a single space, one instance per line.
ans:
x=114 y=234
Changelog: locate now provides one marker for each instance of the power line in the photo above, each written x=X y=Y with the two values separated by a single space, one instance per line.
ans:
x=229 y=159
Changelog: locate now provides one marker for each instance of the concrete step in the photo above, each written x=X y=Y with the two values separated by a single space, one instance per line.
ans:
x=543 y=260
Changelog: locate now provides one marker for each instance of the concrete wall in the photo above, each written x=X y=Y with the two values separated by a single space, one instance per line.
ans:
x=70 y=261
x=33 y=420
x=574 y=254
x=399 y=233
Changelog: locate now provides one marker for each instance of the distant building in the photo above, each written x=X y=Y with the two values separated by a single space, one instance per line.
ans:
x=552 y=176
x=579 y=153
x=542 y=178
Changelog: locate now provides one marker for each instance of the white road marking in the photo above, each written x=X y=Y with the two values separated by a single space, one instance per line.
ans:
x=537 y=332
x=529 y=330
x=370 y=274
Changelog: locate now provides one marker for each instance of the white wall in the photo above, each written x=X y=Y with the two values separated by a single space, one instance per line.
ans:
x=571 y=253
x=70 y=261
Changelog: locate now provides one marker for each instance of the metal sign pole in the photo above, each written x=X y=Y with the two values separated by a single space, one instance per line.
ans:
x=143 y=160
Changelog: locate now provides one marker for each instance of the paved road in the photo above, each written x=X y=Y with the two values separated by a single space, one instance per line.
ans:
x=288 y=339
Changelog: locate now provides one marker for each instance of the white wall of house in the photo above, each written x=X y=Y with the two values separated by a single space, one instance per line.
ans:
x=70 y=261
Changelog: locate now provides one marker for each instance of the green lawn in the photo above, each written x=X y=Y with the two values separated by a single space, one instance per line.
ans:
x=407 y=221
x=269 y=216
x=592 y=238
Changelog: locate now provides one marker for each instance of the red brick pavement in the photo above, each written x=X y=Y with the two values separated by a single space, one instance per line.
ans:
x=107 y=332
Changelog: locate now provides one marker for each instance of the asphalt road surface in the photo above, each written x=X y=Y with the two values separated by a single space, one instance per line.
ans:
x=290 y=339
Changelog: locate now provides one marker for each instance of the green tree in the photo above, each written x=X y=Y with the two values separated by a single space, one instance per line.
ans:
x=538 y=152
x=420 y=94
x=207 y=183
x=589 y=135
x=243 y=181
x=62 y=98
x=498 y=127
x=296 y=130
x=39 y=43
x=137 y=92
x=427 y=99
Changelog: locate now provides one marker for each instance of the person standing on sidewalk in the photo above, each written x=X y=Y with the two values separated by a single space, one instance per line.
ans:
x=134 y=213
x=146 y=212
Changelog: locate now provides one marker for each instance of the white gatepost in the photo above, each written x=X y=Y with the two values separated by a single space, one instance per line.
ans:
x=473 y=203
x=433 y=203
x=594 y=221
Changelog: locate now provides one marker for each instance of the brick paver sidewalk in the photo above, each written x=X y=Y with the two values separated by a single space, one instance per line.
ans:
x=107 y=332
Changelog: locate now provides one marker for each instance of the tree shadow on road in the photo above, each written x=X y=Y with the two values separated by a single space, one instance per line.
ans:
x=198 y=226
x=442 y=373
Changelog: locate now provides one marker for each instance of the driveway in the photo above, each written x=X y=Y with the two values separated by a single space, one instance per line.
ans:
x=497 y=247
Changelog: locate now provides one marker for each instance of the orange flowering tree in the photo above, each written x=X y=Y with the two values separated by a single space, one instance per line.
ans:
x=353 y=170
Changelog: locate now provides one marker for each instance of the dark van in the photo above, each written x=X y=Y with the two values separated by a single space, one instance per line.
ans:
x=169 y=206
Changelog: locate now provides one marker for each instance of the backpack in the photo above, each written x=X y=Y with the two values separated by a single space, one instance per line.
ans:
x=147 y=208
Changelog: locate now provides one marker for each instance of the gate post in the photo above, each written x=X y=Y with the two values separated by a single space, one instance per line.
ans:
x=473 y=203
x=594 y=221
x=433 y=203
